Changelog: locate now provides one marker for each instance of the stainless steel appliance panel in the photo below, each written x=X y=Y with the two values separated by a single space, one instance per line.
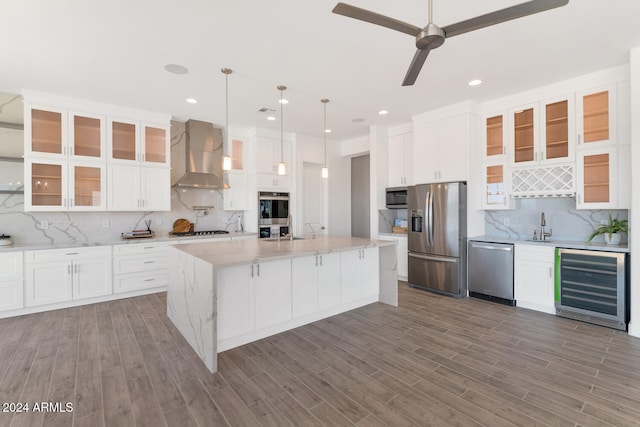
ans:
x=273 y=208
x=437 y=237
x=435 y=273
x=445 y=216
x=417 y=233
x=490 y=270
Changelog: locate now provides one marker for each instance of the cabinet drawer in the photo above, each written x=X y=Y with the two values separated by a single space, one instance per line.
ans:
x=68 y=254
x=141 y=248
x=136 y=264
x=11 y=266
x=135 y=282
x=541 y=252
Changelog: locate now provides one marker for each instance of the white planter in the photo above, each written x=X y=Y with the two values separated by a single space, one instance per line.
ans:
x=612 y=239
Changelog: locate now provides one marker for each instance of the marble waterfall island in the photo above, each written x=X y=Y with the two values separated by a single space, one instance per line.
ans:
x=225 y=294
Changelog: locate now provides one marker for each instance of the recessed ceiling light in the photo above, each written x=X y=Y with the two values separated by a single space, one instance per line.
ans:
x=271 y=118
x=283 y=101
x=327 y=131
x=176 y=69
x=383 y=112
x=192 y=100
x=358 y=120
x=475 y=82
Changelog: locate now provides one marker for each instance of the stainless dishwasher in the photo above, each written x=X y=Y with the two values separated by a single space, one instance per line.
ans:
x=490 y=271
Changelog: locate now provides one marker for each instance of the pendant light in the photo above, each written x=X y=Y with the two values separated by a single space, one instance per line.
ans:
x=282 y=167
x=325 y=169
x=226 y=158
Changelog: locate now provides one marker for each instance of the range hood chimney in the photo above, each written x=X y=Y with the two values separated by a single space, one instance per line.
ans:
x=203 y=144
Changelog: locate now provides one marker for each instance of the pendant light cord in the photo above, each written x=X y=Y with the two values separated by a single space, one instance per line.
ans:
x=325 y=132
x=281 y=127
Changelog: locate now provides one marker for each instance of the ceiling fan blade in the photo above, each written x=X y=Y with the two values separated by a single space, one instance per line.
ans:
x=375 y=18
x=502 y=15
x=415 y=67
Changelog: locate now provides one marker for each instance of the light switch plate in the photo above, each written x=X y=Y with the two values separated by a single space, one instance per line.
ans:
x=105 y=223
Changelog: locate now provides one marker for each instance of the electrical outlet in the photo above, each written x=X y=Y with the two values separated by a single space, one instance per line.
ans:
x=158 y=221
x=44 y=225
x=505 y=221
x=105 y=223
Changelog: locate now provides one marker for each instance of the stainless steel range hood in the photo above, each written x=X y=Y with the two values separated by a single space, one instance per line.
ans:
x=204 y=147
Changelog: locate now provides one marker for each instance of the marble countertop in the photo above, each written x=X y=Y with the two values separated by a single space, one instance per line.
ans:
x=242 y=252
x=570 y=244
x=117 y=241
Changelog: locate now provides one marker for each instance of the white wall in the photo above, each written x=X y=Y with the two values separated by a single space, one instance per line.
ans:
x=634 y=212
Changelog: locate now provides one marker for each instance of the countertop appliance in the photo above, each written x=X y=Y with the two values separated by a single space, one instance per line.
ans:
x=437 y=237
x=273 y=214
x=5 y=240
x=490 y=271
x=592 y=286
x=396 y=198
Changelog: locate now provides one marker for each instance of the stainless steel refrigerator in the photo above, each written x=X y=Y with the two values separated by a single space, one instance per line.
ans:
x=437 y=237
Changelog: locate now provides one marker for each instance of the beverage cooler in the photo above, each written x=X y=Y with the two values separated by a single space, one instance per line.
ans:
x=593 y=286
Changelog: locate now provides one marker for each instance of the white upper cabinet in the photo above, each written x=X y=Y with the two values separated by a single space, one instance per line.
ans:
x=543 y=133
x=133 y=142
x=494 y=137
x=400 y=151
x=596 y=114
x=270 y=152
x=440 y=149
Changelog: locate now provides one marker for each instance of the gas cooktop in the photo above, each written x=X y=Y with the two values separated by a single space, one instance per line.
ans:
x=199 y=233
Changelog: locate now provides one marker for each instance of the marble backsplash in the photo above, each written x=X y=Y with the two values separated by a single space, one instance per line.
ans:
x=387 y=218
x=562 y=217
x=87 y=227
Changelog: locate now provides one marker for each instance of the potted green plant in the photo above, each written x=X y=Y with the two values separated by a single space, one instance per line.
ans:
x=611 y=230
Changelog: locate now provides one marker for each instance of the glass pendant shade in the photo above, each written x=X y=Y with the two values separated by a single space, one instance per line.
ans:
x=325 y=169
x=325 y=172
x=282 y=168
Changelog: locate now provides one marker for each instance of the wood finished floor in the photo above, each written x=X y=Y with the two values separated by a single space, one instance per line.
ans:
x=432 y=361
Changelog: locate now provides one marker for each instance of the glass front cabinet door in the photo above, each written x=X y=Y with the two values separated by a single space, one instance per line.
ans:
x=558 y=130
x=45 y=131
x=525 y=135
x=494 y=136
x=496 y=186
x=596 y=117
x=597 y=183
x=155 y=145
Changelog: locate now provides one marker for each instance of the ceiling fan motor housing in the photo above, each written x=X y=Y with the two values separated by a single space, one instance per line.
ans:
x=431 y=37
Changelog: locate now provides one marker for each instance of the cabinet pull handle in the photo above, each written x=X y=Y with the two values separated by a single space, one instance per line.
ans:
x=258 y=270
x=535 y=157
x=579 y=139
x=149 y=280
x=149 y=262
x=550 y=272
x=316 y=260
x=320 y=260
x=71 y=253
x=70 y=203
x=504 y=149
x=252 y=271
x=149 y=247
x=75 y=268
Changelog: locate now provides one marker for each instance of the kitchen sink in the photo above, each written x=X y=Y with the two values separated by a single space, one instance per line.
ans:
x=538 y=241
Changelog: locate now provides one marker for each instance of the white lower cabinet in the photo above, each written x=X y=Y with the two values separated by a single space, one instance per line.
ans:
x=359 y=274
x=402 y=251
x=139 y=266
x=252 y=297
x=11 y=281
x=60 y=275
x=315 y=283
x=534 y=267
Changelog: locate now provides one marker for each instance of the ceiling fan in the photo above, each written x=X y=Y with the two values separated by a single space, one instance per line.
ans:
x=432 y=36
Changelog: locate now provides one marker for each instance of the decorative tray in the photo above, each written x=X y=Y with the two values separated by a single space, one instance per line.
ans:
x=139 y=236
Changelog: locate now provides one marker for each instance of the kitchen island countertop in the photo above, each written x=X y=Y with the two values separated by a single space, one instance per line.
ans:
x=240 y=252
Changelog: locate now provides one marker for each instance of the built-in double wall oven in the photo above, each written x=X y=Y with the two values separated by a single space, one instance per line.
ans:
x=273 y=217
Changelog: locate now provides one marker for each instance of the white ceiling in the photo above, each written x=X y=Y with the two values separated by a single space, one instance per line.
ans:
x=115 y=52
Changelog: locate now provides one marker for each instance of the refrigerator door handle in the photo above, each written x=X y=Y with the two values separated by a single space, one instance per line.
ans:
x=430 y=226
x=431 y=258
x=426 y=218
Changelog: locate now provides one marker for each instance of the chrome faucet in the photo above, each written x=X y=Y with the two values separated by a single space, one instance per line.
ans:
x=543 y=223
x=313 y=236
